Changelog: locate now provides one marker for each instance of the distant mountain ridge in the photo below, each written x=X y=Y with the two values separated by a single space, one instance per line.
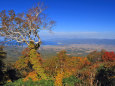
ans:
x=68 y=41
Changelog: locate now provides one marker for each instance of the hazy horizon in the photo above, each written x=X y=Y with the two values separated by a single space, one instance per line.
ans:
x=80 y=35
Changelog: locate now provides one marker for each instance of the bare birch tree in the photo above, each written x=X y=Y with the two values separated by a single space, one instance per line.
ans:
x=24 y=27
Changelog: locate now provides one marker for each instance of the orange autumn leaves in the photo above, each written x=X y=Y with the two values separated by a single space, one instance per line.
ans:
x=58 y=79
x=58 y=67
x=63 y=66
x=33 y=75
x=81 y=62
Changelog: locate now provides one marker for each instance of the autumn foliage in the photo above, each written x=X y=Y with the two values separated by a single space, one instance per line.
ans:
x=30 y=61
x=32 y=75
x=61 y=68
x=58 y=79
x=109 y=56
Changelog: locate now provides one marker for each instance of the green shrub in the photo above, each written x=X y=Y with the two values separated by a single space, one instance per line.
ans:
x=31 y=83
x=70 y=81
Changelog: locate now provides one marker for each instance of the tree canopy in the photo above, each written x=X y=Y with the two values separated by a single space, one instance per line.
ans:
x=24 y=27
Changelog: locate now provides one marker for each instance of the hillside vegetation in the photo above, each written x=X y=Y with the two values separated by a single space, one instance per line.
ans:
x=95 y=69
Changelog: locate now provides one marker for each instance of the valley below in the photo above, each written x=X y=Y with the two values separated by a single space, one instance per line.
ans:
x=48 y=51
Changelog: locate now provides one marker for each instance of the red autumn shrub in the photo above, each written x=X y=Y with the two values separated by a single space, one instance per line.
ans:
x=108 y=56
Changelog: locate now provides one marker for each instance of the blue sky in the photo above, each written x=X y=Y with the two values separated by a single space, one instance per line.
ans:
x=78 y=18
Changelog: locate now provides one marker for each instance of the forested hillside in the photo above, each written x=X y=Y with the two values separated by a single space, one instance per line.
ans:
x=96 y=69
